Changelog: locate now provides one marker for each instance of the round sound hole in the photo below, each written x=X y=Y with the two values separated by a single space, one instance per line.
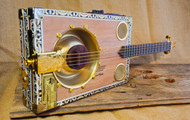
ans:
x=122 y=31
x=119 y=72
x=77 y=57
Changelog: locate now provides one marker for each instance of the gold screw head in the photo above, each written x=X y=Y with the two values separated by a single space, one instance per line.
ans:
x=83 y=86
x=24 y=79
x=58 y=85
x=93 y=77
x=85 y=26
x=71 y=26
x=100 y=48
x=24 y=73
x=59 y=35
x=166 y=52
x=99 y=63
x=70 y=90
x=29 y=62
x=95 y=35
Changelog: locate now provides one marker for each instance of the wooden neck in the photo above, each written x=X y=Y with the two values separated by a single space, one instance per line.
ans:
x=143 y=49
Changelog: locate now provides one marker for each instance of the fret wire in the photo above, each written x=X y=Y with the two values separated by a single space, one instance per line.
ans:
x=164 y=46
x=134 y=50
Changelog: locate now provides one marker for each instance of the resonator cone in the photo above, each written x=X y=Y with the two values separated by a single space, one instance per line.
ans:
x=81 y=54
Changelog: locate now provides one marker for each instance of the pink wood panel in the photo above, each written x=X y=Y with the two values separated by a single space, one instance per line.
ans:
x=106 y=37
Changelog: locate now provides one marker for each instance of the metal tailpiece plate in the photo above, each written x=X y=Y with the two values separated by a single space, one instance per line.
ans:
x=49 y=93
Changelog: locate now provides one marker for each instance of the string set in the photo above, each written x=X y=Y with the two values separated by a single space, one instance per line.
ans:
x=89 y=57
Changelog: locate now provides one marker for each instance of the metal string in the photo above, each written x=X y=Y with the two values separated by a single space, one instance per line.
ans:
x=138 y=47
x=143 y=47
x=90 y=62
x=122 y=49
x=137 y=51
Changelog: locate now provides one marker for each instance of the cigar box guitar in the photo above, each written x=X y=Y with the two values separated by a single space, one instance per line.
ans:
x=67 y=56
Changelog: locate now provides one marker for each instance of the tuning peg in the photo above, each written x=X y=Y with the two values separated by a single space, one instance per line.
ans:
x=173 y=42
x=168 y=37
x=166 y=52
x=173 y=46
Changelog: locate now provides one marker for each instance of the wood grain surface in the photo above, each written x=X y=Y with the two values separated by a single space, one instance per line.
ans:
x=106 y=38
x=150 y=84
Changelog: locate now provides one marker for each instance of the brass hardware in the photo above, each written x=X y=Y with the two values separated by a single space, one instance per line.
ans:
x=25 y=79
x=83 y=86
x=119 y=72
x=173 y=46
x=24 y=73
x=70 y=90
x=166 y=52
x=99 y=63
x=168 y=37
x=58 y=35
x=29 y=62
x=25 y=82
x=72 y=26
x=95 y=35
x=58 y=85
x=49 y=93
x=50 y=62
x=85 y=26
x=122 y=30
x=74 y=78
x=100 y=48
x=93 y=77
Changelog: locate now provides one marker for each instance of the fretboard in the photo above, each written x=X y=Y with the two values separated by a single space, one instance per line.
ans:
x=143 y=49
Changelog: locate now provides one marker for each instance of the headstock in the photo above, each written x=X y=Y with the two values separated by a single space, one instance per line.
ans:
x=168 y=39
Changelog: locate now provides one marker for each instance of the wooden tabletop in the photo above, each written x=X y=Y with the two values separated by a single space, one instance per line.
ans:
x=150 y=84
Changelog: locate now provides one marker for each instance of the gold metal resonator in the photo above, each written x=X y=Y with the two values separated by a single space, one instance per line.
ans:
x=80 y=52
